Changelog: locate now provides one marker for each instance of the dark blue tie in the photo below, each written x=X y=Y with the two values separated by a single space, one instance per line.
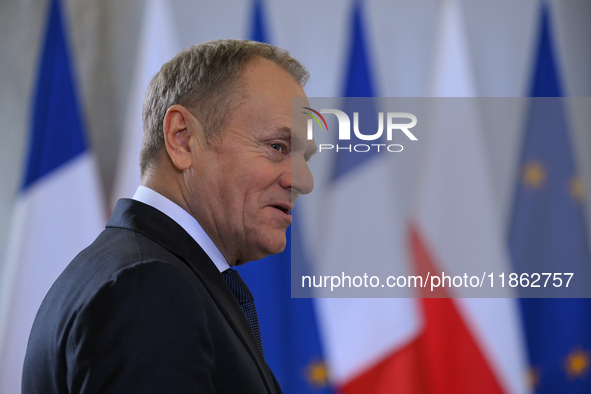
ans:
x=246 y=301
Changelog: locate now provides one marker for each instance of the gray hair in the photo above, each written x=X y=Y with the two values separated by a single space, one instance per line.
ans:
x=202 y=79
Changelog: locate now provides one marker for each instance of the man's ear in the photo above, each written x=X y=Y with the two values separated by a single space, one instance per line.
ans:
x=179 y=128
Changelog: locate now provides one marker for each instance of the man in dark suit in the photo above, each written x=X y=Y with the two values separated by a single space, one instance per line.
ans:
x=152 y=305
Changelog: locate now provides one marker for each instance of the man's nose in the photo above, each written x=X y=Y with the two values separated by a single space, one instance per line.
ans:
x=299 y=178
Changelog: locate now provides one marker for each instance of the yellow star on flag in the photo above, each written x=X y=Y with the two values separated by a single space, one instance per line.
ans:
x=577 y=363
x=317 y=374
x=577 y=188
x=533 y=175
x=532 y=378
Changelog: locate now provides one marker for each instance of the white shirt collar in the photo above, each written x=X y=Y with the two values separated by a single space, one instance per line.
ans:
x=185 y=220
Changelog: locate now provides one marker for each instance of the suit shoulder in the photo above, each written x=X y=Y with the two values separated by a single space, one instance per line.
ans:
x=114 y=250
x=157 y=307
x=145 y=316
x=155 y=289
x=118 y=261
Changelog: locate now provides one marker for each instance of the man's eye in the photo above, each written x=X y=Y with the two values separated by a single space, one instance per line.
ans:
x=278 y=147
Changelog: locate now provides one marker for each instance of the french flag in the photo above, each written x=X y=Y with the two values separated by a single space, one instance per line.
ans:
x=59 y=209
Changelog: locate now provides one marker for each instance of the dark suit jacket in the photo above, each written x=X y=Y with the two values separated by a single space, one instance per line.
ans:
x=143 y=310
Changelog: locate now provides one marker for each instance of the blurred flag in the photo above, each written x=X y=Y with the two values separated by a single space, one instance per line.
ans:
x=361 y=336
x=358 y=83
x=468 y=344
x=58 y=210
x=429 y=345
x=158 y=44
x=548 y=234
x=258 y=31
x=288 y=326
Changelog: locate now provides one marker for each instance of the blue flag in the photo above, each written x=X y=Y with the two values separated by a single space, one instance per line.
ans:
x=258 y=31
x=548 y=234
x=288 y=326
x=358 y=83
x=57 y=133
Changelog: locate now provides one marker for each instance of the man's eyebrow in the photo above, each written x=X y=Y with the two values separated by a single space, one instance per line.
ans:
x=285 y=132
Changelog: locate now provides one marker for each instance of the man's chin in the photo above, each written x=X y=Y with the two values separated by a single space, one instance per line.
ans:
x=273 y=245
x=262 y=243
x=277 y=247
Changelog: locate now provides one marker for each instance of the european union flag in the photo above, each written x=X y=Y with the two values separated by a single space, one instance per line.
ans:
x=288 y=326
x=548 y=234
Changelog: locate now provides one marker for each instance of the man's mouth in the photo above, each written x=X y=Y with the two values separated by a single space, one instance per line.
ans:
x=283 y=207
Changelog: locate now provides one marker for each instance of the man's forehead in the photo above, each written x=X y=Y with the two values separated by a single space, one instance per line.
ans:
x=267 y=89
x=265 y=74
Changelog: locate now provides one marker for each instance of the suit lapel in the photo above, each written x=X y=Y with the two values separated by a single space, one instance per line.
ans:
x=154 y=224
